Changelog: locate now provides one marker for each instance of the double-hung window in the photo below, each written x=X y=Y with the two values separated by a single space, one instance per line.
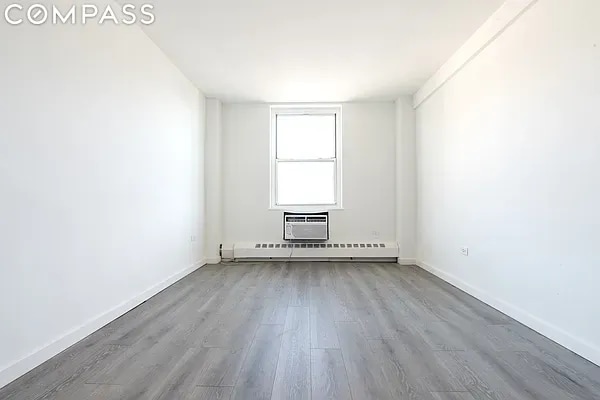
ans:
x=305 y=158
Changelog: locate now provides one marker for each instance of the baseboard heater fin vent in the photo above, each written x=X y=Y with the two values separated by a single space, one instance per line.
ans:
x=315 y=250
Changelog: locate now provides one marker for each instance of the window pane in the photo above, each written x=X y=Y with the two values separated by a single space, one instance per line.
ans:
x=300 y=183
x=305 y=136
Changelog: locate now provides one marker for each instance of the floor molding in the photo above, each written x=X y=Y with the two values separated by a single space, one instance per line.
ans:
x=579 y=346
x=48 y=351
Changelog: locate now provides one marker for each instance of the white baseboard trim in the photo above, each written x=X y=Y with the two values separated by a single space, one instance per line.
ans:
x=213 y=260
x=407 y=261
x=579 y=346
x=48 y=351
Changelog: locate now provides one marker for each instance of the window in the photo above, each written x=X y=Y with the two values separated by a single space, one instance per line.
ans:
x=305 y=158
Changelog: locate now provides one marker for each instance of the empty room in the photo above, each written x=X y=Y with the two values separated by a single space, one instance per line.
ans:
x=307 y=200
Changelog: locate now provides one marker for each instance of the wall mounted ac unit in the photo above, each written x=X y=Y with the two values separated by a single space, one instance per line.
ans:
x=305 y=226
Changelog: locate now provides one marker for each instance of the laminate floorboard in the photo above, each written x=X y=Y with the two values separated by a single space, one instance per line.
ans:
x=311 y=331
x=328 y=375
x=292 y=379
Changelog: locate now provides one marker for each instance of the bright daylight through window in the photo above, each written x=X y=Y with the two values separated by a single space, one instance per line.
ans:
x=305 y=157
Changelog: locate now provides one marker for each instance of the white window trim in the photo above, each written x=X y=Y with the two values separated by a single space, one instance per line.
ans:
x=306 y=110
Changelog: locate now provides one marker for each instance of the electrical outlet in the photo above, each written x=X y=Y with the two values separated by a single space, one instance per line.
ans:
x=464 y=251
x=192 y=238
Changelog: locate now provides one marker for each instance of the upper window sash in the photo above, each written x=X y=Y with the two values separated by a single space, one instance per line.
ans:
x=304 y=136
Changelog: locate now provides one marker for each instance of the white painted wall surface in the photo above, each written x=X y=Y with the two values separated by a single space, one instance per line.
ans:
x=213 y=179
x=509 y=165
x=368 y=175
x=101 y=182
x=406 y=181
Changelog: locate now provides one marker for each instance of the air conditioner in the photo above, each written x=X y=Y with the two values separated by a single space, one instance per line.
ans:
x=303 y=226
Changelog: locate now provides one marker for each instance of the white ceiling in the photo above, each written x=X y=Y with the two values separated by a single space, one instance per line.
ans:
x=313 y=50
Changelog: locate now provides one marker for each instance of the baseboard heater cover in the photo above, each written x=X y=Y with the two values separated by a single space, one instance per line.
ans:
x=316 y=250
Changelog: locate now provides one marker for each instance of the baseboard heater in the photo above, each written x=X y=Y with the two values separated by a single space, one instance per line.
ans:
x=317 y=251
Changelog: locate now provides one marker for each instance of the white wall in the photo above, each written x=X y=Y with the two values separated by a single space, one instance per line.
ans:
x=368 y=156
x=406 y=181
x=509 y=165
x=101 y=182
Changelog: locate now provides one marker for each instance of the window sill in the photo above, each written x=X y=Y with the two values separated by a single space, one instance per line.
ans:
x=306 y=208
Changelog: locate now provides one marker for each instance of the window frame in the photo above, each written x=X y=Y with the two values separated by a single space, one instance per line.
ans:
x=337 y=160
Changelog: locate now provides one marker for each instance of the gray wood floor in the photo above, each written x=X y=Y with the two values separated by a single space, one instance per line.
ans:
x=312 y=331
